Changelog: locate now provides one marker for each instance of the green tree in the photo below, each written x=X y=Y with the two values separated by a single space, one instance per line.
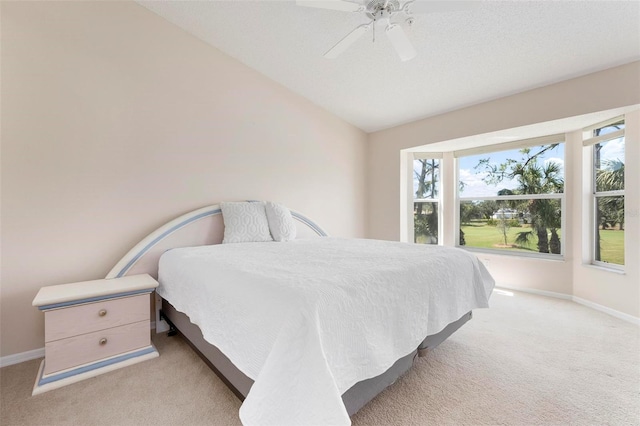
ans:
x=427 y=178
x=470 y=210
x=487 y=208
x=611 y=178
x=504 y=225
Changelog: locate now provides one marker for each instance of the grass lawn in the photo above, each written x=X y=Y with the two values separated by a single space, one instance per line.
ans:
x=612 y=246
x=481 y=235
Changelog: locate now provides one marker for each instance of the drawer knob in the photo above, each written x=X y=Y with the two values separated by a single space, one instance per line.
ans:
x=103 y=341
x=102 y=312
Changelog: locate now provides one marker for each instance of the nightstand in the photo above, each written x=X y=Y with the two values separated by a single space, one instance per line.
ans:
x=93 y=327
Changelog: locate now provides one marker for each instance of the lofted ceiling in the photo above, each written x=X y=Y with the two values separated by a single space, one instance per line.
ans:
x=494 y=49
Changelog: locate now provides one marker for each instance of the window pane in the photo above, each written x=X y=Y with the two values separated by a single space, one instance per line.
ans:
x=516 y=226
x=425 y=223
x=609 y=242
x=534 y=170
x=609 y=165
x=426 y=178
x=610 y=128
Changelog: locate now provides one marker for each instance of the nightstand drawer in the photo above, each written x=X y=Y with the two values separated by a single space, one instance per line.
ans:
x=81 y=319
x=74 y=351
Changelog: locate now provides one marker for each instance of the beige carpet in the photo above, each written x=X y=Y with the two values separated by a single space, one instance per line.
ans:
x=528 y=360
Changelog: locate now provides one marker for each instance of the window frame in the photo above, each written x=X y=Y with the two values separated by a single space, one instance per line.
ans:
x=427 y=156
x=589 y=143
x=518 y=144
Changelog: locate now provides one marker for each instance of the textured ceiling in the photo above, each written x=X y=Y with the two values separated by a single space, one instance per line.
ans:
x=492 y=50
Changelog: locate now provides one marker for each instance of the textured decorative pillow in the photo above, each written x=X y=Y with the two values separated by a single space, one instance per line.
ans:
x=280 y=222
x=245 y=222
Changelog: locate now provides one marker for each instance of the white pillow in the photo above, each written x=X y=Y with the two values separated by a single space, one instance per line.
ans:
x=245 y=222
x=280 y=222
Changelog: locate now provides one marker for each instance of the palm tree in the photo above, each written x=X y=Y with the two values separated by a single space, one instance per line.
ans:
x=610 y=210
x=545 y=214
x=611 y=178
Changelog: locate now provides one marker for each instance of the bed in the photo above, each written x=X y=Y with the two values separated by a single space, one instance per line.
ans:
x=307 y=347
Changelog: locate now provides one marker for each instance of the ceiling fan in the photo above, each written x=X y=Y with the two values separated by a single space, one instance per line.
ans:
x=384 y=15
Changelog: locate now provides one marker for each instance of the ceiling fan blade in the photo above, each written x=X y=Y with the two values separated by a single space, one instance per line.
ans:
x=436 y=6
x=400 y=42
x=341 y=5
x=347 y=41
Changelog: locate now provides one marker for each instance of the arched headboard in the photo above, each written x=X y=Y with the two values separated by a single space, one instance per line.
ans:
x=197 y=228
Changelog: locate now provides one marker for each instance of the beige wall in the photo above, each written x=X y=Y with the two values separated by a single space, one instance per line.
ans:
x=613 y=88
x=615 y=290
x=114 y=121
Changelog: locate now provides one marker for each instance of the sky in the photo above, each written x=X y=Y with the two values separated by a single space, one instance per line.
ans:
x=474 y=186
x=612 y=150
x=473 y=179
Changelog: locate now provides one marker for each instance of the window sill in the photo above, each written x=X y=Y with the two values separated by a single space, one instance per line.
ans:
x=521 y=255
x=604 y=268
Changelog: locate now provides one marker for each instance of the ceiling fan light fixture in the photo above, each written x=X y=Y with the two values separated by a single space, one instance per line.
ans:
x=381 y=13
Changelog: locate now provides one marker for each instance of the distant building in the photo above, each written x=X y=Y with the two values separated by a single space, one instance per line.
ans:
x=523 y=217
x=506 y=214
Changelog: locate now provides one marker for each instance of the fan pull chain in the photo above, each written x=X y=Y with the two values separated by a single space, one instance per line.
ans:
x=374 y=30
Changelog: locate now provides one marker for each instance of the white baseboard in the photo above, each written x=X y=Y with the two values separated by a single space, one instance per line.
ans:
x=612 y=312
x=584 y=302
x=538 y=292
x=8 y=360
x=21 y=357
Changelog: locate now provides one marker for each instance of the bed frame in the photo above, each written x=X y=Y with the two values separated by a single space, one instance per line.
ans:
x=205 y=227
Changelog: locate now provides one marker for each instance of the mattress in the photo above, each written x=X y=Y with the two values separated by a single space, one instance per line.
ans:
x=308 y=319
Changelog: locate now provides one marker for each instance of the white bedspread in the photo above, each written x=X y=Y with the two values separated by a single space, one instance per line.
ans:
x=307 y=319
